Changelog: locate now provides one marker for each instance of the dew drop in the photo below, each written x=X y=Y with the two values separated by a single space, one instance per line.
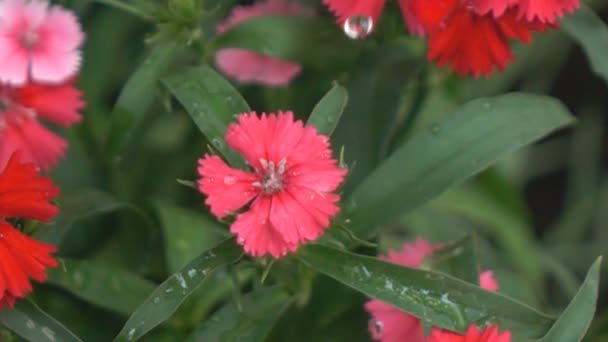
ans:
x=216 y=142
x=435 y=129
x=358 y=26
x=229 y=180
x=156 y=300
x=30 y=324
x=377 y=325
x=240 y=240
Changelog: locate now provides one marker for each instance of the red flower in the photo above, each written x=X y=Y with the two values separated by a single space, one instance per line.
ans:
x=23 y=194
x=290 y=187
x=20 y=130
x=390 y=324
x=488 y=334
x=472 y=36
x=469 y=42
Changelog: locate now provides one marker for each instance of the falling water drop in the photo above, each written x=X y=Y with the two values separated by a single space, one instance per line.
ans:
x=358 y=26
x=378 y=326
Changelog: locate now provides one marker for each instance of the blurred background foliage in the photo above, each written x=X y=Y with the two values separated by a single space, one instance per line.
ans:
x=537 y=217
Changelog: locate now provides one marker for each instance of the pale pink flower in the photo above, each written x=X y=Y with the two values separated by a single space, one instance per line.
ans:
x=20 y=130
x=390 y=324
x=248 y=66
x=290 y=189
x=39 y=41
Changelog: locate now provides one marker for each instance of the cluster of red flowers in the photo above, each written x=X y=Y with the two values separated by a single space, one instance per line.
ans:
x=472 y=36
x=39 y=50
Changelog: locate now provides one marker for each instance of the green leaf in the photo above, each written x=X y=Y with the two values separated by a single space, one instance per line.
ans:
x=326 y=114
x=590 y=31
x=138 y=94
x=186 y=234
x=375 y=89
x=510 y=230
x=292 y=38
x=75 y=207
x=467 y=142
x=575 y=320
x=27 y=320
x=108 y=287
x=437 y=299
x=457 y=258
x=249 y=320
x=167 y=297
x=212 y=102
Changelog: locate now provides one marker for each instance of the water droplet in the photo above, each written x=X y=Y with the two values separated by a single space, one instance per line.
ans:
x=30 y=324
x=192 y=273
x=240 y=240
x=195 y=104
x=78 y=279
x=486 y=105
x=331 y=119
x=50 y=334
x=377 y=325
x=229 y=180
x=435 y=129
x=216 y=142
x=131 y=334
x=347 y=221
x=156 y=300
x=358 y=26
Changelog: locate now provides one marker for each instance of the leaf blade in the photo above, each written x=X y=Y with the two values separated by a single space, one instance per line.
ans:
x=212 y=102
x=169 y=295
x=327 y=112
x=27 y=320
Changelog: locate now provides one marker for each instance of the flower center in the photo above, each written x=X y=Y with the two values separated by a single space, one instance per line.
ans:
x=272 y=176
x=29 y=40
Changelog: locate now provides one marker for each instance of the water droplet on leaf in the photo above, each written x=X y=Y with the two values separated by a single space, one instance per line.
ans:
x=358 y=26
x=378 y=326
x=229 y=180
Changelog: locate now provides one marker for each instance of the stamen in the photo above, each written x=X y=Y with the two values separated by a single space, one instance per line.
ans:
x=272 y=176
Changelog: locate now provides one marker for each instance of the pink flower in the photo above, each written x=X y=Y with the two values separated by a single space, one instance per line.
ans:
x=251 y=67
x=389 y=324
x=20 y=130
x=290 y=189
x=39 y=41
x=488 y=334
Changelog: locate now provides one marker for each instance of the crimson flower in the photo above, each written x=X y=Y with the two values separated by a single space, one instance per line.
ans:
x=390 y=324
x=289 y=189
x=471 y=36
x=488 y=334
x=20 y=129
x=23 y=194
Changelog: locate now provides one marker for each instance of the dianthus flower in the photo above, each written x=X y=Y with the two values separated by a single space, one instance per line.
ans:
x=38 y=42
x=488 y=334
x=390 y=324
x=248 y=66
x=23 y=194
x=290 y=187
x=20 y=109
x=472 y=36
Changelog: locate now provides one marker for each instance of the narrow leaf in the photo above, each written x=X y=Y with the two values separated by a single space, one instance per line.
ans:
x=108 y=287
x=211 y=101
x=437 y=299
x=575 y=320
x=326 y=114
x=468 y=141
x=167 y=297
x=27 y=320
x=249 y=320
x=138 y=94
x=590 y=31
